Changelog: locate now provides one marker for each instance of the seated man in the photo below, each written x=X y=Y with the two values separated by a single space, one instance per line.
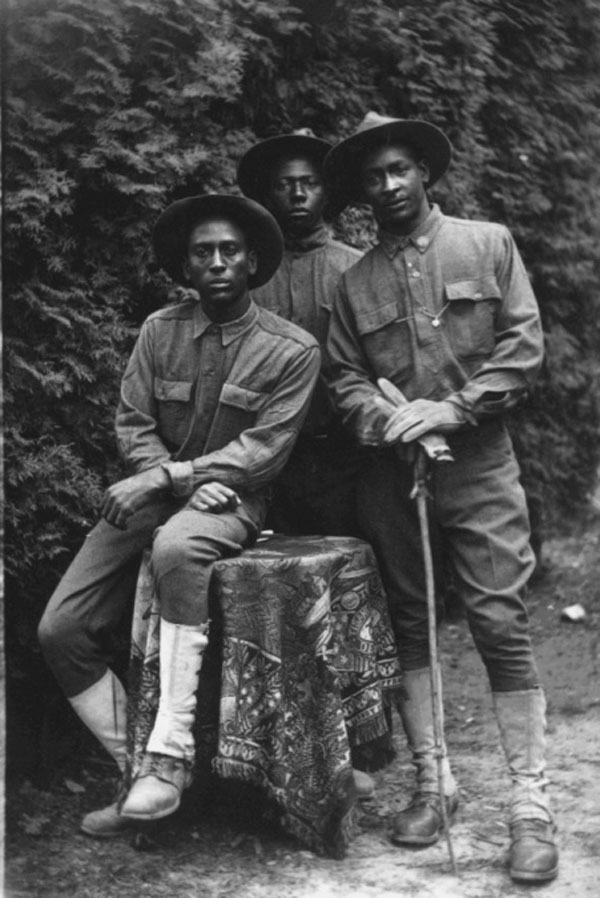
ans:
x=211 y=403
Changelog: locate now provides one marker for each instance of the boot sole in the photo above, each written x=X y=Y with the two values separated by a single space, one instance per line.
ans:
x=110 y=834
x=157 y=815
x=528 y=876
x=417 y=840
x=425 y=840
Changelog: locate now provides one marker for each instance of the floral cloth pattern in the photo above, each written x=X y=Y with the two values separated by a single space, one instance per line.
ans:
x=301 y=664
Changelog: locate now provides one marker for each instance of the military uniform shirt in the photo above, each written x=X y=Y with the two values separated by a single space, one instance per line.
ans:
x=446 y=313
x=215 y=401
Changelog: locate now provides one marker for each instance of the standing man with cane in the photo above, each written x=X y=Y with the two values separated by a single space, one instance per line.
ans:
x=443 y=309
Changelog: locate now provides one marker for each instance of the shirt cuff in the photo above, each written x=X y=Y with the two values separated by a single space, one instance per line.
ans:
x=181 y=475
x=466 y=415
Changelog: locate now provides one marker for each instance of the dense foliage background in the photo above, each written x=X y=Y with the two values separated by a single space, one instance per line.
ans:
x=114 y=109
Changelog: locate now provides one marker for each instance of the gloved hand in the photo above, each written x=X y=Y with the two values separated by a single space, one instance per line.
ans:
x=415 y=419
x=214 y=497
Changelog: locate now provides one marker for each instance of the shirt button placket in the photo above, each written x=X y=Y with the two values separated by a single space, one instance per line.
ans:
x=296 y=288
x=208 y=394
x=417 y=286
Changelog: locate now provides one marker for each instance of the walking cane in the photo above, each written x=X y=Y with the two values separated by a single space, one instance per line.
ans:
x=432 y=446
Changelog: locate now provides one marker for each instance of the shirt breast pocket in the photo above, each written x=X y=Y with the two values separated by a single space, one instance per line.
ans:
x=238 y=410
x=472 y=311
x=385 y=338
x=173 y=402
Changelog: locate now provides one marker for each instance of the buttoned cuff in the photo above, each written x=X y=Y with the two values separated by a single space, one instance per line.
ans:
x=181 y=475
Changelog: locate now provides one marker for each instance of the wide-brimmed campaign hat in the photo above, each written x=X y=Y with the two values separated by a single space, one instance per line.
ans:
x=343 y=163
x=263 y=234
x=256 y=165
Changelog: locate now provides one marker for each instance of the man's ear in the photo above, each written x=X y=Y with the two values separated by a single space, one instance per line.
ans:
x=252 y=261
x=424 y=169
x=185 y=268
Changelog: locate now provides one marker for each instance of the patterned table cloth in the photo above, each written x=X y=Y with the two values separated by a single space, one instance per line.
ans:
x=300 y=667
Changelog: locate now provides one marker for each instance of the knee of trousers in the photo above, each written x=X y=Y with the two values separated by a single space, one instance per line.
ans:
x=176 y=551
x=70 y=652
x=57 y=633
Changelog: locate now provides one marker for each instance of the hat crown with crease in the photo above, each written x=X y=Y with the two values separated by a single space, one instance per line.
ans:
x=173 y=227
x=343 y=164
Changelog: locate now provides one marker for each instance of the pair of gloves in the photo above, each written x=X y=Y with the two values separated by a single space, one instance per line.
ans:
x=410 y=422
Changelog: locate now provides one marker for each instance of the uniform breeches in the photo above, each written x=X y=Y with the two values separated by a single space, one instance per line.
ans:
x=477 y=509
x=95 y=596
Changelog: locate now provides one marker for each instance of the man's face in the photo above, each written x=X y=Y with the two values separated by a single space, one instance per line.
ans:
x=393 y=183
x=218 y=265
x=296 y=195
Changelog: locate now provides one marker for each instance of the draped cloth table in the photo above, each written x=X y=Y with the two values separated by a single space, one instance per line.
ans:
x=300 y=666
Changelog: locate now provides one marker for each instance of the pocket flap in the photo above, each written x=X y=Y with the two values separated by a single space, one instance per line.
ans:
x=242 y=397
x=475 y=290
x=374 y=319
x=172 y=390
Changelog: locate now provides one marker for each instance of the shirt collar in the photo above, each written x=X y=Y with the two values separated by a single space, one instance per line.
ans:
x=229 y=330
x=420 y=238
x=305 y=242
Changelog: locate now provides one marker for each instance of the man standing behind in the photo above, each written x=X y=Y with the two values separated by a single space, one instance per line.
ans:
x=212 y=400
x=444 y=309
x=315 y=494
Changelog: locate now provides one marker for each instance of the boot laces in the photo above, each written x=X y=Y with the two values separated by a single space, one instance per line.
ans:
x=542 y=830
x=154 y=764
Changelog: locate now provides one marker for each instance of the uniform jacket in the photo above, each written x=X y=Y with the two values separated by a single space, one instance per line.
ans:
x=446 y=313
x=302 y=291
x=215 y=401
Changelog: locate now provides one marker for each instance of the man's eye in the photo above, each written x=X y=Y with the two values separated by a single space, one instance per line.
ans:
x=202 y=254
x=230 y=250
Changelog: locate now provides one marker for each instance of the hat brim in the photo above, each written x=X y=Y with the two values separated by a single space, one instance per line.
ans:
x=256 y=165
x=343 y=164
x=263 y=234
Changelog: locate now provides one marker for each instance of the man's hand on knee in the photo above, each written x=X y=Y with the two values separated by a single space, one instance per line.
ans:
x=125 y=497
x=214 y=497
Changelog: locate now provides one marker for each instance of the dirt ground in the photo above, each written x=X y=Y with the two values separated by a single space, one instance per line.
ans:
x=230 y=851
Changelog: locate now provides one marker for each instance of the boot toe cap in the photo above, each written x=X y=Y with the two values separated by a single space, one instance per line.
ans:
x=156 y=791
x=105 y=823
x=151 y=798
x=421 y=822
x=533 y=852
x=364 y=785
